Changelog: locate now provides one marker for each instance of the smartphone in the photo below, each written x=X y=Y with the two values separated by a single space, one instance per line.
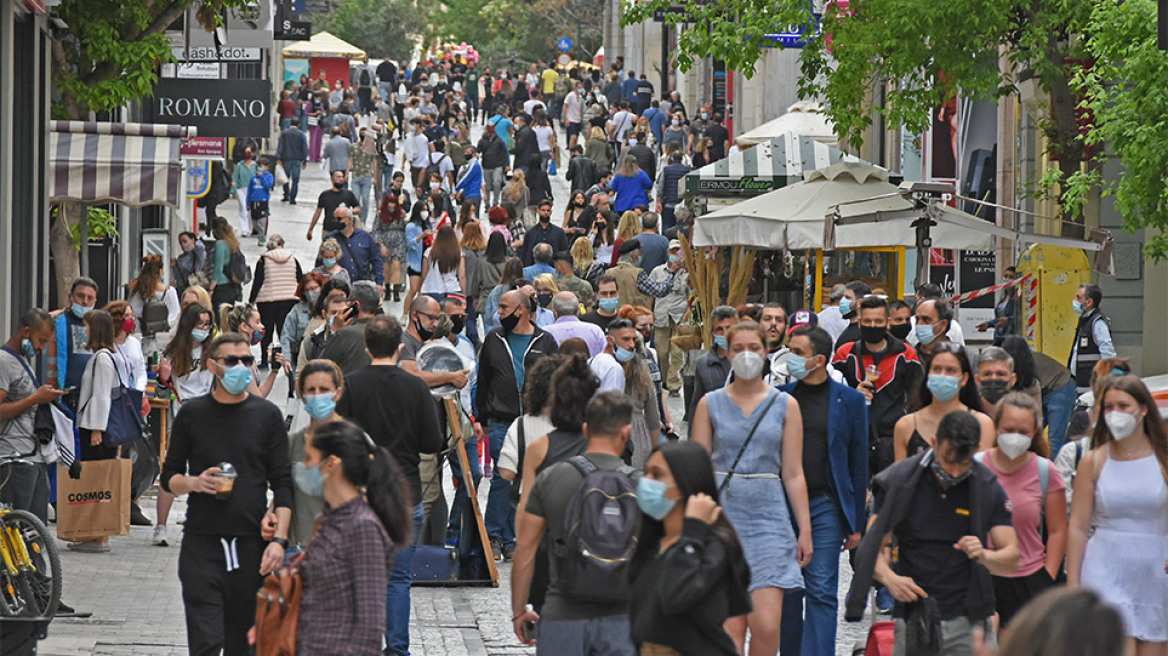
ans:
x=353 y=310
x=70 y=389
x=528 y=629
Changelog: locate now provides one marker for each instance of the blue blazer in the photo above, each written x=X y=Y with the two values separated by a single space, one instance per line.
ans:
x=847 y=451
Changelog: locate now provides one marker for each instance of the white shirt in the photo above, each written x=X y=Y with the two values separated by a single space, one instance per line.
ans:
x=833 y=322
x=132 y=363
x=543 y=136
x=955 y=334
x=533 y=429
x=609 y=371
x=197 y=382
x=573 y=106
x=420 y=152
x=530 y=105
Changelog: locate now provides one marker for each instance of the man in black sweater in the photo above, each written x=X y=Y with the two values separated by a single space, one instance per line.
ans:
x=526 y=144
x=395 y=408
x=223 y=555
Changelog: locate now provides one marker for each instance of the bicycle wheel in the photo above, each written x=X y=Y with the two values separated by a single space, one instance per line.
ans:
x=38 y=581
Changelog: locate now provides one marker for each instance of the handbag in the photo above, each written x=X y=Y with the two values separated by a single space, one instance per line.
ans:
x=125 y=422
x=730 y=474
x=922 y=619
x=278 y=609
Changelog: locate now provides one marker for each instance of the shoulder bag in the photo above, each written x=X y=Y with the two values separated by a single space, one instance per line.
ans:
x=125 y=423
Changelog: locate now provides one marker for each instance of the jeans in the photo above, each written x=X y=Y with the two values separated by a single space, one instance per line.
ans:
x=820 y=582
x=361 y=187
x=397 y=621
x=493 y=179
x=292 y=186
x=385 y=173
x=284 y=123
x=1056 y=408
x=460 y=505
x=668 y=219
x=25 y=486
x=500 y=515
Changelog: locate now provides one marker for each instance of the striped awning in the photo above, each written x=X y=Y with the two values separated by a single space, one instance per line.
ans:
x=132 y=164
x=765 y=167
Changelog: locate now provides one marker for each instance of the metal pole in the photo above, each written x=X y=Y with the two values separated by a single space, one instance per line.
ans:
x=84 y=239
x=665 y=57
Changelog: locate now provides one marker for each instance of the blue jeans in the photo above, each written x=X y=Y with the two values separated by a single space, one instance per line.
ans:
x=460 y=505
x=361 y=187
x=397 y=620
x=817 y=624
x=500 y=515
x=292 y=186
x=385 y=172
x=1056 y=408
x=284 y=123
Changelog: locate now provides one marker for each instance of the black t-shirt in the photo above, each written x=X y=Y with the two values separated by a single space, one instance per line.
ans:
x=813 y=406
x=849 y=335
x=387 y=72
x=938 y=520
x=330 y=200
x=599 y=319
x=718 y=135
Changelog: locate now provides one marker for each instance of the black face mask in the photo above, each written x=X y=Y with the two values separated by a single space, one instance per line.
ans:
x=458 y=322
x=544 y=299
x=338 y=185
x=544 y=219
x=873 y=334
x=943 y=477
x=994 y=389
x=423 y=334
x=509 y=322
x=900 y=331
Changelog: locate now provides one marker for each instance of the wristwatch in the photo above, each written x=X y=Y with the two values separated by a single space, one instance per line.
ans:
x=283 y=542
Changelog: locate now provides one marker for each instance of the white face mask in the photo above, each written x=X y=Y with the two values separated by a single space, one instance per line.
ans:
x=747 y=365
x=1013 y=444
x=1121 y=424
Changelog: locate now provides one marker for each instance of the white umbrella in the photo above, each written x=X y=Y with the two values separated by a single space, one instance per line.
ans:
x=804 y=118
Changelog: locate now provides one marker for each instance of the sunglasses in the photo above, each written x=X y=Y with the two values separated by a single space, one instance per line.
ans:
x=232 y=360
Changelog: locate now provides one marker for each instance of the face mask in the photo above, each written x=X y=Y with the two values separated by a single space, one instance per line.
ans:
x=236 y=379
x=900 y=331
x=200 y=335
x=320 y=406
x=845 y=306
x=651 y=498
x=747 y=365
x=425 y=214
x=308 y=479
x=632 y=142
x=705 y=116
x=943 y=387
x=328 y=262
x=994 y=389
x=873 y=334
x=128 y=325
x=544 y=219
x=423 y=334
x=1077 y=307
x=646 y=334
x=674 y=258
x=925 y=334
x=338 y=185
x=1121 y=424
x=312 y=297
x=608 y=304
x=797 y=366
x=675 y=122
x=80 y=311
x=720 y=342
x=458 y=322
x=509 y=322
x=544 y=298
x=946 y=479
x=435 y=185
x=257 y=336
x=624 y=354
x=27 y=348
x=1013 y=444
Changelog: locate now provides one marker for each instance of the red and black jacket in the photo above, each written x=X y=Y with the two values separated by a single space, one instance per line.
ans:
x=900 y=374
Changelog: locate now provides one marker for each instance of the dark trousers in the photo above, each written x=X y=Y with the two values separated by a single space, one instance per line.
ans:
x=228 y=292
x=25 y=486
x=272 y=314
x=219 y=602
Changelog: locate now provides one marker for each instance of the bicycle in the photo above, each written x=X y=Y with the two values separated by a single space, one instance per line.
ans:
x=30 y=567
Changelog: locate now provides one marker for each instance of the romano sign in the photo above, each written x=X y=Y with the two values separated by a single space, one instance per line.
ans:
x=218 y=108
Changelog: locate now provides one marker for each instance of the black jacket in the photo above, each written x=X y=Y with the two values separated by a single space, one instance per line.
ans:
x=1085 y=350
x=895 y=487
x=498 y=397
x=494 y=151
x=526 y=146
x=582 y=173
x=645 y=159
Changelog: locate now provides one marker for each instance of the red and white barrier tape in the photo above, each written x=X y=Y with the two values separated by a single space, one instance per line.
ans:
x=978 y=293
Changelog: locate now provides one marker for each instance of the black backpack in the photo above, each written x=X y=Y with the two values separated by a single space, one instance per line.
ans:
x=155 y=317
x=435 y=167
x=601 y=526
x=365 y=81
x=236 y=269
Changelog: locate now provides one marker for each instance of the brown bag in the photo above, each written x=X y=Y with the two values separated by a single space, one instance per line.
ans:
x=278 y=610
x=95 y=505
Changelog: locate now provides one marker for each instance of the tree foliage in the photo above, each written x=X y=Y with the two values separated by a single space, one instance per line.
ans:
x=510 y=32
x=384 y=29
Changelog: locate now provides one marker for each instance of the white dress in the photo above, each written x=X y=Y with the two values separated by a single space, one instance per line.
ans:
x=1124 y=560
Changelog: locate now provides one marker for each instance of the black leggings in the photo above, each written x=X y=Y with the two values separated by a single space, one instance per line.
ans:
x=272 y=314
x=228 y=292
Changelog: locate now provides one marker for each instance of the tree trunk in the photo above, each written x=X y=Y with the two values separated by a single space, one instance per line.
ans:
x=65 y=255
x=1063 y=131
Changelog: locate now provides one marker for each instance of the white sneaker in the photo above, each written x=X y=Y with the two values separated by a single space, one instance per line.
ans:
x=159 y=539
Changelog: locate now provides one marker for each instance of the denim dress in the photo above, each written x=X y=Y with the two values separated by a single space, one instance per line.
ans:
x=755 y=502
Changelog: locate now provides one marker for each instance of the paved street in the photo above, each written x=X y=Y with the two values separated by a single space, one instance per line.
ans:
x=134 y=592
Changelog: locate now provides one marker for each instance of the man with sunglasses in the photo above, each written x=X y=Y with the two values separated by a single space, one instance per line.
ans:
x=224 y=557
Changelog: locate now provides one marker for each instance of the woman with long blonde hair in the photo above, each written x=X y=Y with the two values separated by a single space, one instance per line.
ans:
x=628 y=228
x=631 y=185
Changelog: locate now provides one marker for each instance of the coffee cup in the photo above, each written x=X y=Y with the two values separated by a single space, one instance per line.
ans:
x=226 y=475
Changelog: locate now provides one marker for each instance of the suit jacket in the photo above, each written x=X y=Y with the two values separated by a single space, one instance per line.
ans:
x=847 y=451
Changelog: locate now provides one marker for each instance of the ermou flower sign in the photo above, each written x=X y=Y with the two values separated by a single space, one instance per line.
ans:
x=218 y=108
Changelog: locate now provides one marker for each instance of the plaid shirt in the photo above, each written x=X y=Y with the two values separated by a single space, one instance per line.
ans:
x=345 y=576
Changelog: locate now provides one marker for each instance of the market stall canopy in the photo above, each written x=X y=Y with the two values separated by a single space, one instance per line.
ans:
x=793 y=217
x=804 y=118
x=765 y=167
x=133 y=164
x=324 y=44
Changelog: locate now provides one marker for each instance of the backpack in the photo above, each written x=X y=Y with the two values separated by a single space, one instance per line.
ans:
x=236 y=269
x=435 y=167
x=155 y=317
x=601 y=526
x=344 y=123
x=365 y=80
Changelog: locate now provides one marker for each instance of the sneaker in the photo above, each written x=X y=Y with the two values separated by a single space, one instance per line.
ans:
x=509 y=552
x=884 y=601
x=88 y=547
x=263 y=242
x=496 y=549
x=159 y=539
x=292 y=202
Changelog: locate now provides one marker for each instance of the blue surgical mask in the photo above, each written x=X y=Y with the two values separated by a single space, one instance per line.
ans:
x=80 y=310
x=1077 y=307
x=319 y=406
x=943 y=387
x=27 y=347
x=925 y=334
x=624 y=354
x=200 y=335
x=328 y=262
x=236 y=379
x=674 y=258
x=720 y=342
x=651 y=498
x=845 y=306
x=312 y=296
x=797 y=366
x=608 y=304
x=309 y=479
